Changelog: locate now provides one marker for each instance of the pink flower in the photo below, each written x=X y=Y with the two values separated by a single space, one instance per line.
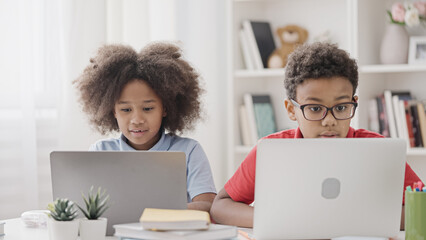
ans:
x=398 y=12
x=421 y=7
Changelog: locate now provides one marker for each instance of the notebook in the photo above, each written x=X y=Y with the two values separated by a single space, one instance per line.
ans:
x=328 y=188
x=134 y=180
x=174 y=219
x=135 y=230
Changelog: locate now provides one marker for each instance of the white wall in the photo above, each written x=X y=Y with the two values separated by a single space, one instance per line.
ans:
x=201 y=27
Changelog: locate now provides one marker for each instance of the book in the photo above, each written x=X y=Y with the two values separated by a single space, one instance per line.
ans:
x=383 y=121
x=136 y=231
x=245 y=50
x=416 y=126
x=260 y=40
x=422 y=121
x=409 y=122
x=174 y=219
x=373 y=116
x=260 y=113
x=390 y=110
x=246 y=138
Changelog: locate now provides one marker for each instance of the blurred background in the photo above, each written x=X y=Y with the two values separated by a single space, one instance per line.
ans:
x=45 y=45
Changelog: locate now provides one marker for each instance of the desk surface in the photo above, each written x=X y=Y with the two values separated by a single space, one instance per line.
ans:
x=15 y=229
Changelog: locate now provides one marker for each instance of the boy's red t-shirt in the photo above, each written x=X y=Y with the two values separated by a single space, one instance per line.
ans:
x=240 y=186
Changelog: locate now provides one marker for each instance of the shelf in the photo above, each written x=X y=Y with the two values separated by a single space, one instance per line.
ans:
x=278 y=72
x=240 y=149
x=395 y=68
x=416 y=152
x=410 y=152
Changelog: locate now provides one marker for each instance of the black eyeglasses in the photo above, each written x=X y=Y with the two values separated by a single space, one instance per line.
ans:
x=317 y=112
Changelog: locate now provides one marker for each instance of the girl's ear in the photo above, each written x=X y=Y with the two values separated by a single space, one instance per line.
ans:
x=164 y=112
x=290 y=109
x=115 y=114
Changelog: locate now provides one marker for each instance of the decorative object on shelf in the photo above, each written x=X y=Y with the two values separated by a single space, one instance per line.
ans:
x=394 y=48
x=62 y=224
x=290 y=36
x=417 y=51
x=93 y=227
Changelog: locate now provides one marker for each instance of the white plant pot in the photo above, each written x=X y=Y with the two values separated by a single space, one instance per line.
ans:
x=93 y=229
x=62 y=230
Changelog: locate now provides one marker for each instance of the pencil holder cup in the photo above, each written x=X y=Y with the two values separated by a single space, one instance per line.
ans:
x=415 y=215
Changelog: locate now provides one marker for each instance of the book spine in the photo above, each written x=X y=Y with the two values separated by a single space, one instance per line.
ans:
x=390 y=114
x=416 y=125
x=422 y=121
x=248 y=102
x=373 y=116
x=252 y=44
x=403 y=117
x=248 y=59
x=409 y=120
x=244 y=127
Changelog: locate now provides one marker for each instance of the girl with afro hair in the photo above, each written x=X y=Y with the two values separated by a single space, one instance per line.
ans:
x=143 y=95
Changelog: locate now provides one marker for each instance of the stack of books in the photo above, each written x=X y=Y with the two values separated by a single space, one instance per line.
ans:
x=257 y=118
x=174 y=224
x=397 y=114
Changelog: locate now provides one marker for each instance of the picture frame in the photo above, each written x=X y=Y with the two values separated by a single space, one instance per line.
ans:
x=417 y=50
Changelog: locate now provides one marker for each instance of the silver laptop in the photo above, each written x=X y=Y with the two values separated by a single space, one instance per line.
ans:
x=327 y=188
x=134 y=180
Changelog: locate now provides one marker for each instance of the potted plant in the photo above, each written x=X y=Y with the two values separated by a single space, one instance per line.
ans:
x=93 y=227
x=61 y=223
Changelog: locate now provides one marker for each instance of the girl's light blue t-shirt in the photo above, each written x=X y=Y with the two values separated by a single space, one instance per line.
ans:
x=198 y=172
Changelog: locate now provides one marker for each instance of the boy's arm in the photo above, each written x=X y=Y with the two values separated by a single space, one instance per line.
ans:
x=202 y=202
x=226 y=211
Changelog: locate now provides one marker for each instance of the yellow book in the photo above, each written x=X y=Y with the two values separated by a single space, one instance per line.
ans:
x=172 y=219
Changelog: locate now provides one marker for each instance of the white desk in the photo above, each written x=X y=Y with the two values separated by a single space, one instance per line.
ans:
x=16 y=230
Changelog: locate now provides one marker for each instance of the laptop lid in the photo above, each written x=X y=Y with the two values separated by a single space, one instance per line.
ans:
x=325 y=188
x=134 y=180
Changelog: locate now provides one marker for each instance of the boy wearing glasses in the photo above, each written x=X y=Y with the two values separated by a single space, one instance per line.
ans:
x=320 y=81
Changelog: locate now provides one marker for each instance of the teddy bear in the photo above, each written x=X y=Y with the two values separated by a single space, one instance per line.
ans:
x=290 y=36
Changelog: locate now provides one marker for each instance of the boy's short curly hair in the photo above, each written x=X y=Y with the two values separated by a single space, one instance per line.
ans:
x=160 y=65
x=318 y=60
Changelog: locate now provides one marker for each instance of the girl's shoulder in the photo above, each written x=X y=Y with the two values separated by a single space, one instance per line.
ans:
x=178 y=142
x=108 y=144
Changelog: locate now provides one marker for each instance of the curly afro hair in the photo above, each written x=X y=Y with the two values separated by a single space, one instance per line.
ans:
x=160 y=65
x=318 y=60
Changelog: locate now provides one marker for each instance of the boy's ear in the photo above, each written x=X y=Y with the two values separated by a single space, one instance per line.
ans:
x=290 y=109
x=355 y=98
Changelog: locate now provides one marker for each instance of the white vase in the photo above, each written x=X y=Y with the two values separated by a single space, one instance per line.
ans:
x=62 y=230
x=93 y=229
x=395 y=42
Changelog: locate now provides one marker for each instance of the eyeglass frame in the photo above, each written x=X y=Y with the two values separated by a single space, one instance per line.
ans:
x=354 y=103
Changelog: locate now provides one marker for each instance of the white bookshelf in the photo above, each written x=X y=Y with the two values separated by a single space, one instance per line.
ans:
x=355 y=25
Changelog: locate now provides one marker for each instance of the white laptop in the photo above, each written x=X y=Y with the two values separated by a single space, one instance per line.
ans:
x=134 y=180
x=327 y=188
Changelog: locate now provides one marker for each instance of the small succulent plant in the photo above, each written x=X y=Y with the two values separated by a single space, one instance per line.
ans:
x=96 y=204
x=62 y=210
